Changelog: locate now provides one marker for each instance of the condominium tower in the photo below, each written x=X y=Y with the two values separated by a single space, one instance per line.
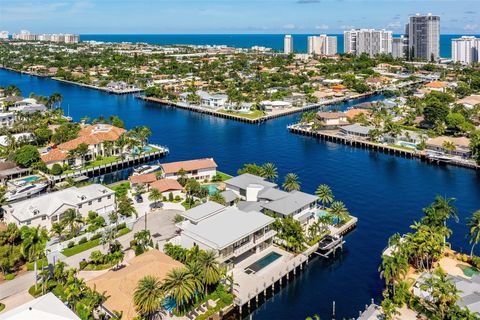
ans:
x=369 y=41
x=288 y=44
x=400 y=47
x=424 y=37
x=322 y=45
x=466 y=50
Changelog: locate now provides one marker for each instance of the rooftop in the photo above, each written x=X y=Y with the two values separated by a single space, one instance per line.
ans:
x=292 y=202
x=164 y=185
x=202 y=211
x=244 y=180
x=190 y=165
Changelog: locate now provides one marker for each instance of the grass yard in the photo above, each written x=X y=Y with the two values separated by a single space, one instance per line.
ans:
x=252 y=115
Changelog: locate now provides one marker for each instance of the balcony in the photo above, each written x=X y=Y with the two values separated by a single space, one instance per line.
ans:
x=248 y=245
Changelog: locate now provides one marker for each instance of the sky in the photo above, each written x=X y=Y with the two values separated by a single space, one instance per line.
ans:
x=230 y=16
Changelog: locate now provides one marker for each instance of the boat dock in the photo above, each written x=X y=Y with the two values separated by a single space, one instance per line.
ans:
x=121 y=164
x=334 y=136
x=254 y=289
x=104 y=89
x=235 y=117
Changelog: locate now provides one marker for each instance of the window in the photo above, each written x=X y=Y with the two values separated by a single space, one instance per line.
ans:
x=44 y=217
x=109 y=197
x=54 y=218
x=80 y=206
x=89 y=203
x=99 y=199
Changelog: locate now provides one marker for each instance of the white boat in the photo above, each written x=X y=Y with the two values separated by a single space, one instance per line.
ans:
x=145 y=169
x=25 y=191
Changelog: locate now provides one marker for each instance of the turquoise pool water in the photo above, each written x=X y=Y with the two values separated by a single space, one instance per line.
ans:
x=408 y=145
x=323 y=213
x=28 y=179
x=265 y=261
x=212 y=188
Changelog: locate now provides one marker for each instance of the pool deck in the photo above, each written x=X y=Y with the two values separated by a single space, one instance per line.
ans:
x=248 y=286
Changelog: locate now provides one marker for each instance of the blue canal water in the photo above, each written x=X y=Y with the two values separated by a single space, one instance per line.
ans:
x=274 y=41
x=386 y=192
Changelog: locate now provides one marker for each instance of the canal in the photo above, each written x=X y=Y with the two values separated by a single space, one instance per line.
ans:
x=386 y=192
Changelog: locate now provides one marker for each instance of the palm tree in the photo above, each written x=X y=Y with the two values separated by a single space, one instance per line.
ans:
x=444 y=293
x=148 y=297
x=57 y=230
x=155 y=196
x=72 y=219
x=33 y=242
x=108 y=237
x=107 y=148
x=121 y=143
x=474 y=224
x=196 y=270
x=218 y=198
x=179 y=284
x=211 y=270
x=339 y=210
x=82 y=151
x=392 y=268
x=269 y=171
x=325 y=194
x=291 y=182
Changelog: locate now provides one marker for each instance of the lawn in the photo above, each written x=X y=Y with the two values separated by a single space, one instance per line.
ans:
x=99 y=162
x=253 y=115
x=40 y=264
x=223 y=176
x=121 y=189
x=89 y=244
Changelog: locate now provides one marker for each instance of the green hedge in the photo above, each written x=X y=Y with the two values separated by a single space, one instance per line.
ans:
x=9 y=276
x=40 y=264
x=80 y=247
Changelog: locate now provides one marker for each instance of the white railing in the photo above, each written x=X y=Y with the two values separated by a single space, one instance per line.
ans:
x=249 y=245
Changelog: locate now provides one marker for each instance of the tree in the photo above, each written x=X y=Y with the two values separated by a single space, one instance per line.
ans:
x=143 y=240
x=56 y=169
x=108 y=238
x=291 y=182
x=435 y=111
x=218 y=198
x=269 y=171
x=251 y=168
x=325 y=194
x=26 y=156
x=72 y=219
x=155 y=196
x=121 y=143
x=474 y=232
x=443 y=292
x=339 y=210
x=148 y=297
x=81 y=151
x=125 y=207
x=392 y=268
x=179 y=285
x=57 y=230
x=210 y=269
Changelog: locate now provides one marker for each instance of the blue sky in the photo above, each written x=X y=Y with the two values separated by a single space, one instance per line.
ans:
x=230 y=16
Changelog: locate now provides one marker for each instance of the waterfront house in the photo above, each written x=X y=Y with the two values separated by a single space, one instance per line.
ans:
x=7 y=119
x=456 y=146
x=231 y=233
x=353 y=112
x=270 y=106
x=167 y=186
x=25 y=137
x=406 y=138
x=215 y=101
x=119 y=285
x=470 y=102
x=49 y=208
x=247 y=186
x=94 y=136
x=199 y=169
x=46 y=307
x=120 y=86
x=243 y=107
x=28 y=105
x=9 y=171
x=144 y=179
x=356 y=130
x=332 y=119
x=439 y=86
x=468 y=291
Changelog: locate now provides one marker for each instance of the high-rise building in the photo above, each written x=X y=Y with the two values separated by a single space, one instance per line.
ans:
x=66 y=38
x=322 y=45
x=400 y=47
x=3 y=34
x=288 y=44
x=370 y=41
x=424 y=37
x=466 y=50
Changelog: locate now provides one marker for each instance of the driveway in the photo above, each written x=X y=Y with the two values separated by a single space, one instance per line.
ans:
x=17 y=285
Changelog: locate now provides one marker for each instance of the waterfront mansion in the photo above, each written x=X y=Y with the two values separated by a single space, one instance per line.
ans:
x=49 y=208
x=94 y=136
x=198 y=169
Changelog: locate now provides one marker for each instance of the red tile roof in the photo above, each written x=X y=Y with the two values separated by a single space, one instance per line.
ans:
x=190 y=165
x=164 y=185
x=143 y=178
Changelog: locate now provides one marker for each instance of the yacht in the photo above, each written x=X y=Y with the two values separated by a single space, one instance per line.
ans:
x=25 y=191
x=145 y=169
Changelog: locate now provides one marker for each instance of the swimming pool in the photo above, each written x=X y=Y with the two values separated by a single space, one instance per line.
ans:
x=323 y=213
x=262 y=263
x=408 y=144
x=27 y=179
x=212 y=188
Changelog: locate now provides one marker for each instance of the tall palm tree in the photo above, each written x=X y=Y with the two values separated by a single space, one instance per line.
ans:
x=33 y=242
x=179 y=284
x=474 y=224
x=155 y=196
x=108 y=237
x=121 y=143
x=210 y=267
x=339 y=210
x=444 y=293
x=325 y=194
x=269 y=171
x=196 y=270
x=148 y=297
x=72 y=219
x=291 y=182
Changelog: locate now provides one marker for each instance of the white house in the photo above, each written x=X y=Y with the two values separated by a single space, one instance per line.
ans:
x=199 y=169
x=7 y=119
x=243 y=107
x=215 y=101
x=49 y=208
x=46 y=307
x=228 y=231
x=28 y=105
x=332 y=118
x=269 y=106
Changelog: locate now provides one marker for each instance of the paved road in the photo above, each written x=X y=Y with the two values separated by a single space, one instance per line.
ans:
x=17 y=285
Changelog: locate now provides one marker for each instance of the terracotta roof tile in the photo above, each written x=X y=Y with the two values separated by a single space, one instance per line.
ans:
x=143 y=178
x=174 y=167
x=164 y=185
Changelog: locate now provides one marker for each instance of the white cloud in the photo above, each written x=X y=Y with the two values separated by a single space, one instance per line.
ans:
x=470 y=27
x=322 y=27
x=347 y=27
x=394 y=25
x=289 y=26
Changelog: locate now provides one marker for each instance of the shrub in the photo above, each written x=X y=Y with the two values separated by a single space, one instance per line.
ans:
x=170 y=197
x=164 y=199
x=2 y=306
x=71 y=244
x=476 y=262
x=178 y=198
x=83 y=264
x=122 y=225
x=83 y=240
x=96 y=236
x=9 y=276
x=35 y=292
x=56 y=169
